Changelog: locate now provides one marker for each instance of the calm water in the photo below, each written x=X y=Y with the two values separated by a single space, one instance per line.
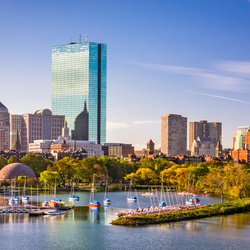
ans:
x=82 y=228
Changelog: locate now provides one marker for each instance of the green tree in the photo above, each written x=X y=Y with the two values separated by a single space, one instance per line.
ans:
x=13 y=159
x=36 y=162
x=50 y=178
x=65 y=168
x=3 y=162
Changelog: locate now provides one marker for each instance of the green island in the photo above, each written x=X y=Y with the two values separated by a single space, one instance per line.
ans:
x=224 y=208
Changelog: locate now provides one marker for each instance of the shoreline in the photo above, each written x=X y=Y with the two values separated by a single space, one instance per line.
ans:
x=218 y=209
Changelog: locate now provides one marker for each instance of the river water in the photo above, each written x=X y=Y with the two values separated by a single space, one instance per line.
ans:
x=82 y=228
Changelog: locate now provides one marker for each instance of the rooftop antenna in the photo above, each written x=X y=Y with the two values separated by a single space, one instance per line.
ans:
x=86 y=38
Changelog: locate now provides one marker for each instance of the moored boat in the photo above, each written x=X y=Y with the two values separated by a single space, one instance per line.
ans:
x=92 y=202
x=193 y=200
x=107 y=201
x=132 y=198
x=72 y=196
x=54 y=212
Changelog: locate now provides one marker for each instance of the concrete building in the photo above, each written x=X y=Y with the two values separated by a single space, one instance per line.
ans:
x=204 y=130
x=204 y=146
x=118 y=149
x=4 y=128
x=41 y=125
x=173 y=134
x=40 y=146
x=60 y=145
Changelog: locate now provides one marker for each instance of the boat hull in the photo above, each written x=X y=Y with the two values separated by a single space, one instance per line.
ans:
x=131 y=200
x=94 y=205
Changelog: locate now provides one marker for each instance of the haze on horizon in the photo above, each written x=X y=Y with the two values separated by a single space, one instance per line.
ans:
x=182 y=57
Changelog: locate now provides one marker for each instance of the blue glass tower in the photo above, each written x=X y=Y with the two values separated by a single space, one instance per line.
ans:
x=79 y=75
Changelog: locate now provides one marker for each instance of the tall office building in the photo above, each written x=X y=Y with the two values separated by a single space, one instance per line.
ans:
x=173 y=134
x=4 y=127
x=241 y=138
x=205 y=130
x=79 y=72
x=41 y=125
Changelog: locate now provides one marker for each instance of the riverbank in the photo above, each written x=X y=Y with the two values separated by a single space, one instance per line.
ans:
x=225 y=208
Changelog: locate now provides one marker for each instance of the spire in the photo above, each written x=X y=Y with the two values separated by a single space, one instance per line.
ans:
x=18 y=144
x=85 y=106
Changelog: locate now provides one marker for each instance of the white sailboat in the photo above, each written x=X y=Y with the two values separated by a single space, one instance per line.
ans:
x=131 y=197
x=25 y=198
x=72 y=196
x=106 y=200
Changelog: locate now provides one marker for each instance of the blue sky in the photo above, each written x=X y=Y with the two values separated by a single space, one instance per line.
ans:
x=189 y=57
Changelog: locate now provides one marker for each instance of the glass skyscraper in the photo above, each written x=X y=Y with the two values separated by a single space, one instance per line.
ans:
x=79 y=75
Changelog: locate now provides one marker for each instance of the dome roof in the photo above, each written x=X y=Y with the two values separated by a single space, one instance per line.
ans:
x=14 y=170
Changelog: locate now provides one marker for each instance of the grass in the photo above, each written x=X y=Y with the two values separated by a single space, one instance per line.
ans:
x=225 y=208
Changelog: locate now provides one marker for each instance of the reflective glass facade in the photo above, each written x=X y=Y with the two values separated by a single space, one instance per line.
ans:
x=79 y=74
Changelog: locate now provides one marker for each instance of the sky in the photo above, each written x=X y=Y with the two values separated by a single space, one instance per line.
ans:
x=187 y=57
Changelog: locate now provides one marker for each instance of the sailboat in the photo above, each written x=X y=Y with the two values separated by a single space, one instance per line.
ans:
x=25 y=198
x=162 y=203
x=131 y=197
x=13 y=198
x=45 y=203
x=106 y=200
x=92 y=202
x=56 y=202
x=72 y=196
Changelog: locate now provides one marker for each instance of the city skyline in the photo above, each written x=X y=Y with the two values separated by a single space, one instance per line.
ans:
x=179 y=57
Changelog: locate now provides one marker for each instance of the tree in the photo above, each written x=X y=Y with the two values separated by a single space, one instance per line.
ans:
x=13 y=159
x=65 y=168
x=36 y=162
x=146 y=176
x=50 y=178
x=237 y=180
x=3 y=162
x=169 y=176
x=215 y=182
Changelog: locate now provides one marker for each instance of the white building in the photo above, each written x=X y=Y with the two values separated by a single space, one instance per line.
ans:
x=55 y=146
x=40 y=146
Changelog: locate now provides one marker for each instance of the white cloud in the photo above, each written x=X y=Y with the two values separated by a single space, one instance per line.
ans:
x=220 y=97
x=116 y=125
x=239 y=67
x=216 y=78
